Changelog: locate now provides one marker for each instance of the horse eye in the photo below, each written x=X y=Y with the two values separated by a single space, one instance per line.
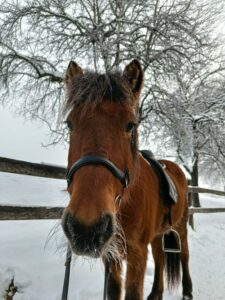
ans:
x=69 y=125
x=130 y=127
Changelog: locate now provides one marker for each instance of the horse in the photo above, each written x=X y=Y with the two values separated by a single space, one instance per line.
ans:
x=115 y=210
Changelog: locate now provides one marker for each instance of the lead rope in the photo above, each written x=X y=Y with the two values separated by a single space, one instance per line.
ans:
x=106 y=281
x=67 y=274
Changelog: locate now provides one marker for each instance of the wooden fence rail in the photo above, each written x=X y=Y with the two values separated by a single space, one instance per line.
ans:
x=48 y=213
x=29 y=213
x=33 y=169
x=197 y=189
x=205 y=210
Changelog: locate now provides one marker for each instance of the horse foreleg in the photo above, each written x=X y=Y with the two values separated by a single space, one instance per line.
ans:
x=158 y=255
x=114 y=282
x=136 y=265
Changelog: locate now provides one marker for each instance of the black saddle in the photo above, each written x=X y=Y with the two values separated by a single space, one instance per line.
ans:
x=167 y=189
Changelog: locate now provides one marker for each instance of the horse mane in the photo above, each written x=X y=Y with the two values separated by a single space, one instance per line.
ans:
x=92 y=87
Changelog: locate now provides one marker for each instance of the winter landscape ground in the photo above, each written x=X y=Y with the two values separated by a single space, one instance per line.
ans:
x=36 y=260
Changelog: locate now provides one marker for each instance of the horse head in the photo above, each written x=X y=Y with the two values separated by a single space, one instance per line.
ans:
x=102 y=117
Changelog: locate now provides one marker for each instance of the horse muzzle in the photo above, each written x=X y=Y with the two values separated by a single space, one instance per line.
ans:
x=88 y=240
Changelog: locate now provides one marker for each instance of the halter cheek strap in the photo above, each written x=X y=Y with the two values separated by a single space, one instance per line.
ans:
x=98 y=160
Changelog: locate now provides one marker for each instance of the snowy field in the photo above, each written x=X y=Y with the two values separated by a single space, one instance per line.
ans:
x=35 y=257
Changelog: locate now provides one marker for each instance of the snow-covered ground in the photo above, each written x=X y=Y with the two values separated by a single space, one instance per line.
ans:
x=34 y=256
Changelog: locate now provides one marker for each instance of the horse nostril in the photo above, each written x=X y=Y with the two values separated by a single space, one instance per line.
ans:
x=102 y=226
x=105 y=226
x=68 y=225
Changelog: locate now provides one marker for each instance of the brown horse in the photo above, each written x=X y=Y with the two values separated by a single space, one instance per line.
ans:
x=115 y=209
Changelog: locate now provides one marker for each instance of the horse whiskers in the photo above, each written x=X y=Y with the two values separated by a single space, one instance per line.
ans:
x=116 y=249
x=121 y=239
x=56 y=238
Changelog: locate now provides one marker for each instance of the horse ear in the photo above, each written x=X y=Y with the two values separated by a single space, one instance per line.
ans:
x=73 y=70
x=134 y=75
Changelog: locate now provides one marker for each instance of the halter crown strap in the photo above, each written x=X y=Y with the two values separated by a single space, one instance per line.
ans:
x=98 y=160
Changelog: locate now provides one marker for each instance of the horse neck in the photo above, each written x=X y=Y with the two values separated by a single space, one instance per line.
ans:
x=142 y=198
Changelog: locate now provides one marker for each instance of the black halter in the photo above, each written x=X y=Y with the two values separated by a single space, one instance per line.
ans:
x=98 y=160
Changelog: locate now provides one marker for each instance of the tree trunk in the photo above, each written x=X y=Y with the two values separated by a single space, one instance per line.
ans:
x=194 y=182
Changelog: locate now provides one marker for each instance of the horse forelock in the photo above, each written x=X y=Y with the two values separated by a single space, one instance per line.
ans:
x=94 y=88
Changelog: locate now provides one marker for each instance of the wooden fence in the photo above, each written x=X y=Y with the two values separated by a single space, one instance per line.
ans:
x=50 y=171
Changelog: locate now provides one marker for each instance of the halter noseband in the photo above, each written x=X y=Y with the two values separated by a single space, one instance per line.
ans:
x=98 y=160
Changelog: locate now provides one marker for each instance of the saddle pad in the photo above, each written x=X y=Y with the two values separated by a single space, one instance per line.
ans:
x=167 y=189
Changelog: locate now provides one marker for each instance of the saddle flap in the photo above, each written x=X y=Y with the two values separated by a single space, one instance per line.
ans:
x=167 y=189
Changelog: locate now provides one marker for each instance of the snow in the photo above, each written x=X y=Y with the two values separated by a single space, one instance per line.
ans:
x=33 y=252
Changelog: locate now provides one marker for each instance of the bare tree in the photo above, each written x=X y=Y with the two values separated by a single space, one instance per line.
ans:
x=192 y=117
x=39 y=37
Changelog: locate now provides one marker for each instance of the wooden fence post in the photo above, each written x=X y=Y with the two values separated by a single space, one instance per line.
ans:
x=190 y=203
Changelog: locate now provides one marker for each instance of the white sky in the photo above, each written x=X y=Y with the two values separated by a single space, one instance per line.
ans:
x=23 y=140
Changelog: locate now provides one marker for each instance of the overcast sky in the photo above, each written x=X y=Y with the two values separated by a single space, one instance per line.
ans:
x=23 y=140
